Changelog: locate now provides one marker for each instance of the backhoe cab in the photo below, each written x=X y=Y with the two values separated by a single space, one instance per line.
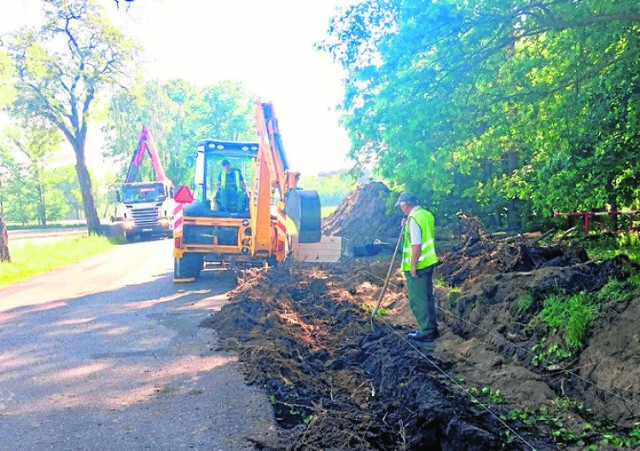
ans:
x=244 y=212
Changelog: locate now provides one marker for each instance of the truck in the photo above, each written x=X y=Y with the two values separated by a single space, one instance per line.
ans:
x=146 y=207
x=256 y=226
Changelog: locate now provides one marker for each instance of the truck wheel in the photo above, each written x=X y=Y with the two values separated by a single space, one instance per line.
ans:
x=187 y=268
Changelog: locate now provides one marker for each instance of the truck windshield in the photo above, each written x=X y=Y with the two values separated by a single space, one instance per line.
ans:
x=142 y=193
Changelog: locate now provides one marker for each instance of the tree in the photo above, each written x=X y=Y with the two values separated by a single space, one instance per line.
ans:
x=508 y=108
x=5 y=170
x=65 y=192
x=36 y=140
x=178 y=116
x=76 y=55
x=6 y=95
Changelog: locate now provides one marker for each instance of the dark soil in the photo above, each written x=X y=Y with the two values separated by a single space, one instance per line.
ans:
x=303 y=333
x=334 y=383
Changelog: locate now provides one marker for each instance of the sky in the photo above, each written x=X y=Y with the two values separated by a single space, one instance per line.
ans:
x=267 y=45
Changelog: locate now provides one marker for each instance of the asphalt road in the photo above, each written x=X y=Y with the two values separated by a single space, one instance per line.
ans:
x=107 y=354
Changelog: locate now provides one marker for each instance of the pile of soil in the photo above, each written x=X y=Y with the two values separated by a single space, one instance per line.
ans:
x=362 y=217
x=491 y=280
x=303 y=335
x=501 y=268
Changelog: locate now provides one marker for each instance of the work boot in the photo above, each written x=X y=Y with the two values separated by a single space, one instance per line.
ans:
x=423 y=338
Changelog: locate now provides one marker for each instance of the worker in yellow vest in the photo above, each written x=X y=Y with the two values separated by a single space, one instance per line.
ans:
x=232 y=188
x=418 y=261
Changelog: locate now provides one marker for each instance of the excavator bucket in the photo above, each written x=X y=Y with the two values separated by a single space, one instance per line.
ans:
x=303 y=208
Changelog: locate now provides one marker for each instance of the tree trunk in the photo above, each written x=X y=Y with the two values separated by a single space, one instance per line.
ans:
x=513 y=206
x=42 y=208
x=1 y=200
x=86 y=189
x=615 y=226
x=4 y=242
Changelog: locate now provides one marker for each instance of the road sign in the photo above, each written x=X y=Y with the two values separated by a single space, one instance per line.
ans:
x=183 y=196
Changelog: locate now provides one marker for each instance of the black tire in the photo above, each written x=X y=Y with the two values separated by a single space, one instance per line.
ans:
x=187 y=267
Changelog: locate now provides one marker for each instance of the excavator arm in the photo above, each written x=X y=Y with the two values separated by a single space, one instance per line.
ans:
x=301 y=207
x=145 y=145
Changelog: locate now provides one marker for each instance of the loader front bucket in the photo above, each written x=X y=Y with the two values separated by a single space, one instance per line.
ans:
x=303 y=208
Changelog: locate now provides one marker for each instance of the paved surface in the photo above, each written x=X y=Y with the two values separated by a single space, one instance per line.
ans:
x=106 y=354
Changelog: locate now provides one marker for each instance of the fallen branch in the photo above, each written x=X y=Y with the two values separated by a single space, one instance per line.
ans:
x=542 y=237
x=566 y=234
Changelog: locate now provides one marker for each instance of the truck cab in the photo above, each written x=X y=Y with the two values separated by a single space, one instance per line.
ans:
x=146 y=209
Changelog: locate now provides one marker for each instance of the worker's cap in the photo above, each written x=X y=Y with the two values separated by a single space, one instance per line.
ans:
x=226 y=163
x=408 y=198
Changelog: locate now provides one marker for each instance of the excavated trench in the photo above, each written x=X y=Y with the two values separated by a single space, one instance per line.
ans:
x=336 y=384
x=303 y=334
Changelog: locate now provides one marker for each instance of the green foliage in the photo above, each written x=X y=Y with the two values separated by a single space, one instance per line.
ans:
x=548 y=355
x=62 y=68
x=571 y=315
x=543 y=417
x=487 y=395
x=619 y=290
x=511 y=110
x=332 y=188
x=35 y=141
x=178 y=115
x=621 y=439
x=609 y=247
x=524 y=302
x=7 y=74
x=379 y=313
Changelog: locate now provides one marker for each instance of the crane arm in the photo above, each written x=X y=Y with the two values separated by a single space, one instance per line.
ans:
x=145 y=144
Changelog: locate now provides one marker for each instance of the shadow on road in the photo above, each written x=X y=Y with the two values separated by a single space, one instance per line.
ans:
x=131 y=363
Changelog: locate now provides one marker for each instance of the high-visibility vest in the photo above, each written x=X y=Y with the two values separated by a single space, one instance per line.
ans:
x=223 y=179
x=428 y=256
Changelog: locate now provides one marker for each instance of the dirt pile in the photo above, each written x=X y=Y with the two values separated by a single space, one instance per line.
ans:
x=362 y=218
x=303 y=334
x=497 y=291
x=520 y=263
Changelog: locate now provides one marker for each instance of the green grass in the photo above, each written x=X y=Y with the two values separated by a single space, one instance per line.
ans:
x=524 y=301
x=30 y=259
x=571 y=315
x=608 y=247
x=326 y=211
x=620 y=290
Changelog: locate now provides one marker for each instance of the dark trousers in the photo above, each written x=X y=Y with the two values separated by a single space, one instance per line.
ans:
x=231 y=200
x=421 y=300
